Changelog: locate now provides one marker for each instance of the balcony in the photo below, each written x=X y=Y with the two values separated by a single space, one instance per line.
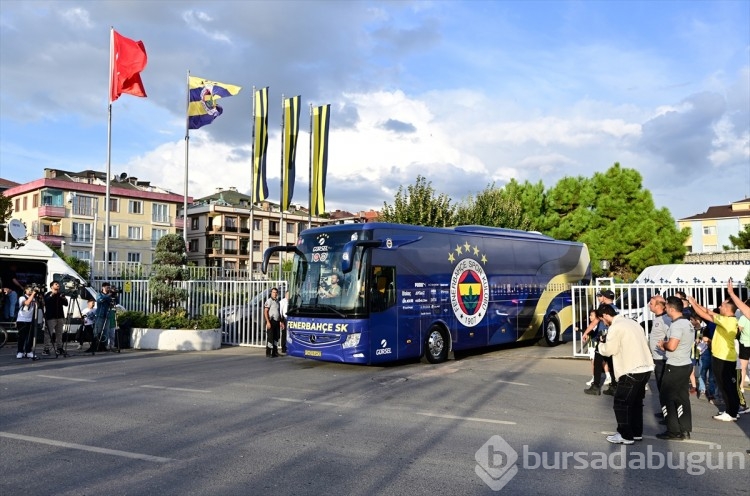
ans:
x=161 y=219
x=51 y=212
x=51 y=239
x=179 y=222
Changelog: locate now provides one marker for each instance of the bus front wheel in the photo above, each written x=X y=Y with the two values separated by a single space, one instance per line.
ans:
x=436 y=345
x=552 y=331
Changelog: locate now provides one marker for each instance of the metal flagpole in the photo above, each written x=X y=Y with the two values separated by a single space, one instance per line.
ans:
x=282 y=232
x=309 y=211
x=109 y=153
x=252 y=195
x=187 y=148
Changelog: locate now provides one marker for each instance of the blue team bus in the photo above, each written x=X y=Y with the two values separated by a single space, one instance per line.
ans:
x=377 y=292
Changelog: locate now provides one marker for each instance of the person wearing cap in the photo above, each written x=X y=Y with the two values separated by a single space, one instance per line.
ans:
x=605 y=297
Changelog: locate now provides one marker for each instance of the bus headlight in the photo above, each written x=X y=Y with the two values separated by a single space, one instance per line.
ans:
x=352 y=340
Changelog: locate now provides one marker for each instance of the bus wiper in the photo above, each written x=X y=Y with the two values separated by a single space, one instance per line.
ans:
x=331 y=307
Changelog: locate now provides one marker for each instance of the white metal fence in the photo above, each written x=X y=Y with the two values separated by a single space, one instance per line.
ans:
x=238 y=304
x=632 y=301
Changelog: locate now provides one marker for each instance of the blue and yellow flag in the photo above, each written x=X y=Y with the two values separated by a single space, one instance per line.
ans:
x=260 y=147
x=203 y=100
x=291 y=130
x=320 y=122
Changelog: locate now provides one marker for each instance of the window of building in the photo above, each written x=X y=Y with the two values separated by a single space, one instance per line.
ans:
x=194 y=223
x=114 y=204
x=134 y=257
x=289 y=228
x=709 y=230
x=156 y=235
x=25 y=202
x=273 y=227
x=82 y=232
x=193 y=245
x=135 y=232
x=230 y=246
x=135 y=207
x=256 y=245
x=35 y=200
x=257 y=224
x=84 y=205
x=112 y=256
x=230 y=224
x=114 y=231
x=160 y=213
x=81 y=254
x=17 y=207
x=52 y=198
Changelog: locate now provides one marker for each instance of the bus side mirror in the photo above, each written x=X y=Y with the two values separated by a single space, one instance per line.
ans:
x=348 y=252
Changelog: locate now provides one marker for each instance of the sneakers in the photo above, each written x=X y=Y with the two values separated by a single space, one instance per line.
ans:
x=20 y=355
x=31 y=355
x=607 y=379
x=618 y=439
x=45 y=351
x=610 y=390
x=725 y=417
x=594 y=389
x=744 y=410
x=699 y=393
x=637 y=438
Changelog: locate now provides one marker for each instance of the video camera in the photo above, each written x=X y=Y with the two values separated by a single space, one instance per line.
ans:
x=71 y=287
x=39 y=289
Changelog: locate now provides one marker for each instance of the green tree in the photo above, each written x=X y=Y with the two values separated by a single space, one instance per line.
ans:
x=419 y=205
x=741 y=241
x=169 y=268
x=617 y=219
x=533 y=200
x=6 y=208
x=80 y=266
x=493 y=207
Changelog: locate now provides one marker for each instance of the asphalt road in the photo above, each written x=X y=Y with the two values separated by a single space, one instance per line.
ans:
x=232 y=422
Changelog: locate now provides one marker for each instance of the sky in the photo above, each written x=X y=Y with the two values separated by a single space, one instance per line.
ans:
x=466 y=94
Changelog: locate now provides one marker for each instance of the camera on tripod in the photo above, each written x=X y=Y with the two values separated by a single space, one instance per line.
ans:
x=71 y=287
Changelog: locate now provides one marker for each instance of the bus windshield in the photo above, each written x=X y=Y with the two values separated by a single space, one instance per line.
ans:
x=318 y=286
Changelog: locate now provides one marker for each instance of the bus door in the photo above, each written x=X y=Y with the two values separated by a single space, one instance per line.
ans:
x=384 y=341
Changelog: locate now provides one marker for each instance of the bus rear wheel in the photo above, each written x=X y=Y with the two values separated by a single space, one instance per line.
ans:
x=552 y=331
x=436 y=345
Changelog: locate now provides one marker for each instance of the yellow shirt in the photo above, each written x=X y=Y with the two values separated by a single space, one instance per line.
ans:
x=722 y=344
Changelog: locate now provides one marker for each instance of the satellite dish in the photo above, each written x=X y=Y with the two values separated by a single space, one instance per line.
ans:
x=123 y=176
x=17 y=229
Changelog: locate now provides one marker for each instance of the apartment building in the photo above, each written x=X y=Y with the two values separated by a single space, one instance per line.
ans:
x=67 y=210
x=710 y=230
x=222 y=233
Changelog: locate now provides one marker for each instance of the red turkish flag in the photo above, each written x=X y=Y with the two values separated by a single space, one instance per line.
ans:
x=128 y=60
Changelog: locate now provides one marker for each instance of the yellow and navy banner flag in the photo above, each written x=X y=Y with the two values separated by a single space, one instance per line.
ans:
x=260 y=148
x=320 y=122
x=291 y=130
x=203 y=100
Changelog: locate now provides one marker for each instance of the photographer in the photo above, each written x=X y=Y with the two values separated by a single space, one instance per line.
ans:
x=102 y=328
x=26 y=313
x=54 y=313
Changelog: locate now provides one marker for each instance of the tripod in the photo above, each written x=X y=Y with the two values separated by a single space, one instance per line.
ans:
x=66 y=325
x=106 y=325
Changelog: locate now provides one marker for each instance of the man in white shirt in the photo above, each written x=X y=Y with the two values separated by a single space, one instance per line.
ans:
x=633 y=364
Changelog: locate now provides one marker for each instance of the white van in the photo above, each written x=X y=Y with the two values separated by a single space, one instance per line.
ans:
x=37 y=264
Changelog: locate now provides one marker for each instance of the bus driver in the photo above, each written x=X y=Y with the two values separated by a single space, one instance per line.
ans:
x=333 y=290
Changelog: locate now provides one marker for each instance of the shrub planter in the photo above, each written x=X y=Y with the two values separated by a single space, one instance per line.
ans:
x=175 y=339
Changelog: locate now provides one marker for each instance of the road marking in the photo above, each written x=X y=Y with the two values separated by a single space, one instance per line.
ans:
x=293 y=400
x=470 y=419
x=65 y=378
x=513 y=383
x=83 y=447
x=176 y=389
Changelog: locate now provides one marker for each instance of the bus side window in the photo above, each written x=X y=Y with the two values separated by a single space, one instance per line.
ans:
x=383 y=290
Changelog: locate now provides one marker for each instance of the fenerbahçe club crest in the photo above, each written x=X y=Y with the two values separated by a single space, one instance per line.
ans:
x=470 y=289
